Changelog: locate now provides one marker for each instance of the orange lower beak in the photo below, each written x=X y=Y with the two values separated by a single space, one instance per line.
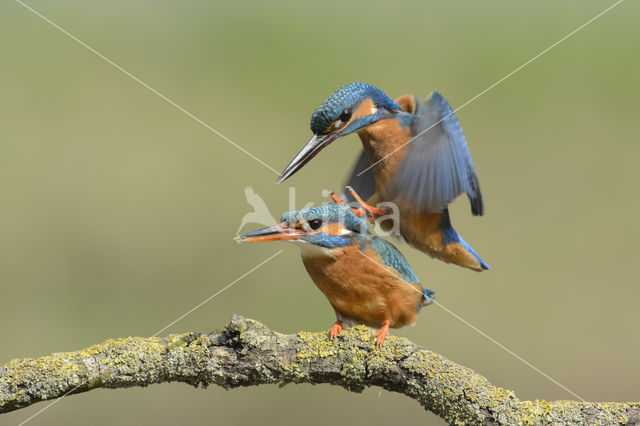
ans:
x=279 y=232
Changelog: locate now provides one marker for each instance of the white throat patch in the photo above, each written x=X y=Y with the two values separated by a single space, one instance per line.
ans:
x=312 y=250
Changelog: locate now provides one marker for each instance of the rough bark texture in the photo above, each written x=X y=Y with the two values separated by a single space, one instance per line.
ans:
x=248 y=353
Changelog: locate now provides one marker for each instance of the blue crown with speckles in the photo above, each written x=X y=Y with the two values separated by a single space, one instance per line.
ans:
x=330 y=213
x=348 y=97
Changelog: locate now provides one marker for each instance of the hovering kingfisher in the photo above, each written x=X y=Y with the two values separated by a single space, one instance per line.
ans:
x=365 y=278
x=415 y=156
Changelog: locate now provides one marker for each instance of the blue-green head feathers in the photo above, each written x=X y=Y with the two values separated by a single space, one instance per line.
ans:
x=322 y=216
x=327 y=214
x=346 y=99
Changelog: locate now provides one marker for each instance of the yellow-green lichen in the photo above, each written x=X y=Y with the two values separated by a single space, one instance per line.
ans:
x=457 y=394
x=315 y=345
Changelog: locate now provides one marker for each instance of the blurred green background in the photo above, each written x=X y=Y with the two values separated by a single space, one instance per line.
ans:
x=118 y=211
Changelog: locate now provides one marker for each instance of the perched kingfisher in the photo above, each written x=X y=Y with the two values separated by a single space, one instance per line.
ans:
x=415 y=156
x=365 y=278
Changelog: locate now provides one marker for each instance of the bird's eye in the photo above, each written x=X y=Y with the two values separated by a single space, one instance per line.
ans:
x=345 y=115
x=315 y=224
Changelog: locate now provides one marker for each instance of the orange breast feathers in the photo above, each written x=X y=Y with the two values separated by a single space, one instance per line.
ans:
x=385 y=142
x=364 y=291
x=384 y=138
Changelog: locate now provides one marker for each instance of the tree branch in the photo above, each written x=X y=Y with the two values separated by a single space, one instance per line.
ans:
x=248 y=353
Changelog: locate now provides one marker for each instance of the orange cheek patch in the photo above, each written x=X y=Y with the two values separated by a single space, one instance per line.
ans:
x=363 y=110
x=330 y=128
x=331 y=229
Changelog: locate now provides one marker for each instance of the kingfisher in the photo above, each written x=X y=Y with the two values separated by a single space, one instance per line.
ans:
x=364 y=277
x=414 y=156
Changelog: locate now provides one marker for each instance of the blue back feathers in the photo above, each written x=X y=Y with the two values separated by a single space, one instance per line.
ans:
x=349 y=96
x=393 y=258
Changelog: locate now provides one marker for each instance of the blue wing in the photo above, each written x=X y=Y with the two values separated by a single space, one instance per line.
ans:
x=393 y=258
x=437 y=165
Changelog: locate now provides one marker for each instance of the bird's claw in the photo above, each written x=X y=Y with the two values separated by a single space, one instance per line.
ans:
x=357 y=211
x=370 y=211
x=336 y=328
x=382 y=333
x=336 y=199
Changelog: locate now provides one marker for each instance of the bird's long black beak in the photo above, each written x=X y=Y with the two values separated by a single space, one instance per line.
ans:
x=277 y=232
x=309 y=151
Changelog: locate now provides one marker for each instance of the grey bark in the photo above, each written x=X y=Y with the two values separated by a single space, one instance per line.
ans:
x=247 y=353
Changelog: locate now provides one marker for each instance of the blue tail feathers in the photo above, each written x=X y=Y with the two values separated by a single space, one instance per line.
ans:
x=428 y=296
x=449 y=235
x=473 y=252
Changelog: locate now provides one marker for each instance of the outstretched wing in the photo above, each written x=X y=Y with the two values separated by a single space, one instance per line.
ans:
x=437 y=165
x=365 y=184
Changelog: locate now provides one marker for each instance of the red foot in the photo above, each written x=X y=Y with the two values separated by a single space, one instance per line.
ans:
x=358 y=212
x=369 y=210
x=336 y=328
x=336 y=199
x=382 y=333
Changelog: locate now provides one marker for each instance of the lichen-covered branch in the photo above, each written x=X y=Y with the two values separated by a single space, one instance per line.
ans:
x=248 y=353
